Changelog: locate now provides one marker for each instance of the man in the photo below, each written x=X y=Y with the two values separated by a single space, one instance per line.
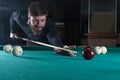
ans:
x=37 y=26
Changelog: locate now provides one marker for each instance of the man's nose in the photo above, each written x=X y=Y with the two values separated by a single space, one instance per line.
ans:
x=39 y=23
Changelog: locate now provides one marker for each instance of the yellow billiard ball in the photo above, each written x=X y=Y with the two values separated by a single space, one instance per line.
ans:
x=7 y=48
x=17 y=51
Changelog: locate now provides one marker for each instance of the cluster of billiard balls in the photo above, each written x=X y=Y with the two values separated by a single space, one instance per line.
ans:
x=15 y=50
x=88 y=52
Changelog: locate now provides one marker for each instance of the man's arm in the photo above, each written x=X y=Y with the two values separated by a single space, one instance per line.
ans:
x=12 y=26
x=18 y=23
x=54 y=39
x=15 y=24
x=52 y=34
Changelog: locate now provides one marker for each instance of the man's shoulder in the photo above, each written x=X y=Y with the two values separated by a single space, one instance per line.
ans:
x=50 y=22
x=20 y=13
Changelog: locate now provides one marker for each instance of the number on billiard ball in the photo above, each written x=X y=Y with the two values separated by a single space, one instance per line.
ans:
x=88 y=53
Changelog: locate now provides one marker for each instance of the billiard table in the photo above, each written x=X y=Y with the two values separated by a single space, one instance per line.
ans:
x=42 y=63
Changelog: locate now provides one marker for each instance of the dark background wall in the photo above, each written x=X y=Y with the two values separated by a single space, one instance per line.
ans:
x=102 y=16
x=118 y=16
x=101 y=12
x=64 y=11
x=72 y=22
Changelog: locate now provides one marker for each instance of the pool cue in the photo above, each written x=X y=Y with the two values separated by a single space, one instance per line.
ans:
x=44 y=44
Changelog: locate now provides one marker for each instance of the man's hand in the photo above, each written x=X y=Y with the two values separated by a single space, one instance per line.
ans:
x=12 y=35
x=62 y=52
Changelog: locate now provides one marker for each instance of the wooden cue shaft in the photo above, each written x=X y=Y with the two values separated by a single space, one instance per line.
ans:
x=44 y=44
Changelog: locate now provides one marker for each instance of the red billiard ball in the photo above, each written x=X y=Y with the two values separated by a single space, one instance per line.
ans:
x=88 y=53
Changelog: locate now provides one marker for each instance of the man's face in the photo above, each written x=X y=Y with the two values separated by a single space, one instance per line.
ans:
x=37 y=23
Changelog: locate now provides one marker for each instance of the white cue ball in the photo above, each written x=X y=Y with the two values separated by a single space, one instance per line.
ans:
x=7 y=48
x=104 y=49
x=17 y=51
x=98 y=50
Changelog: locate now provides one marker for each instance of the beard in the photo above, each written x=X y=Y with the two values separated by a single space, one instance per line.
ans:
x=36 y=30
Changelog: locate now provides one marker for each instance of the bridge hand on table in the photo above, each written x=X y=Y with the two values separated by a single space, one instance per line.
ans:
x=67 y=53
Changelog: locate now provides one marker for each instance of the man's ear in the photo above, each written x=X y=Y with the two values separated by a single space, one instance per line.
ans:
x=28 y=19
x=28 y=16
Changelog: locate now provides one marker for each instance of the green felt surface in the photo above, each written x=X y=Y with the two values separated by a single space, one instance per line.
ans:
x=42 y=63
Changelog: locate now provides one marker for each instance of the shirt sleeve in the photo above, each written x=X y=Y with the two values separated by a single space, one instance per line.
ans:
x=18 y=21
x=52 y=35
x=12 y=23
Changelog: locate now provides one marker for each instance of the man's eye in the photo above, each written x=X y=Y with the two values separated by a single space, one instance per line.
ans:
x=42 y=20
x=35 y=20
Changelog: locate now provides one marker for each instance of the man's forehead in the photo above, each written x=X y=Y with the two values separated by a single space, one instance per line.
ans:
x=38 y=17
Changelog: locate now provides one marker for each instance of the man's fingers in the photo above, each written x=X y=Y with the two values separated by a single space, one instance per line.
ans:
x=70 y=47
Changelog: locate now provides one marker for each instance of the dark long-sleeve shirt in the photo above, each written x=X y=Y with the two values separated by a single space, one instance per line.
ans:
x=49 y=34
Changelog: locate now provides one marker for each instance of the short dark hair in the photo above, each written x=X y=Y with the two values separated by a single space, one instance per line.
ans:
x=37 y=9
